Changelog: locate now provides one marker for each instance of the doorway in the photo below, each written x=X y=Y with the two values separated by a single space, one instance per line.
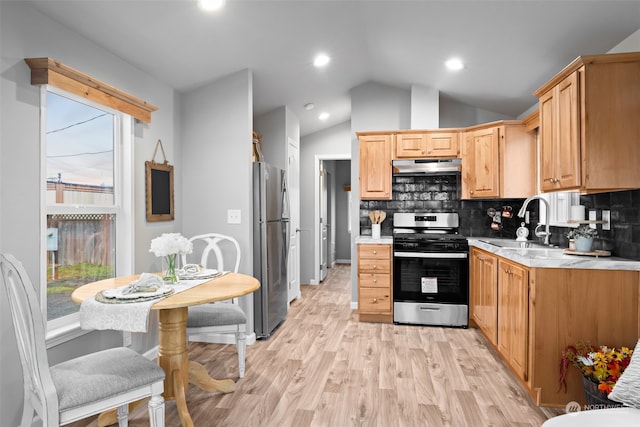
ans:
x=332 y=231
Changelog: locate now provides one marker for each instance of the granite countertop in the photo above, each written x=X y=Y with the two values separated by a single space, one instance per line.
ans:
x=555 y=258
x=383 y=240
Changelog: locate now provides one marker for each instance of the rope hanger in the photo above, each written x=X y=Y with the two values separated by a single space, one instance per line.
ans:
x=159 y=144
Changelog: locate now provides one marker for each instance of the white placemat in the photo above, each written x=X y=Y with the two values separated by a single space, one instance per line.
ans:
x=129 y=316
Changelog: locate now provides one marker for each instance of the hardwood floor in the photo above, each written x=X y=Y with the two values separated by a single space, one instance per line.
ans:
x=324 y=368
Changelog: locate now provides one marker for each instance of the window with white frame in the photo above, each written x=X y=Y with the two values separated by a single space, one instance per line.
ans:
x=87 y=181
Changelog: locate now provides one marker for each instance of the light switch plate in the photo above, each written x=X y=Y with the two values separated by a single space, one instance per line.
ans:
x=234 y=216
x=592 y=217
x=126 y=338
x=606 y=217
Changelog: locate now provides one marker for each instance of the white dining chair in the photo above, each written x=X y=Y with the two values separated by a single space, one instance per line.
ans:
x=80 y=387
x=225 y=317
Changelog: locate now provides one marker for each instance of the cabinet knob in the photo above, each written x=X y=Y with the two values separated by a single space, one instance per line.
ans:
x=375 y=266
x=375 y=252
x=375 y=300
x=470 y=191
x=375 y=280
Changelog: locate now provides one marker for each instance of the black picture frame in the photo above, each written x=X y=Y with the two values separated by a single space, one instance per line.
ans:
x=159 y=191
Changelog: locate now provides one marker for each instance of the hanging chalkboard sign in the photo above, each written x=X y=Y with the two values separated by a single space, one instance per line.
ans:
x=159 y=183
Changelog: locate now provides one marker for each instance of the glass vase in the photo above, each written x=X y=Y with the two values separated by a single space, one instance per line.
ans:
x=169 y=276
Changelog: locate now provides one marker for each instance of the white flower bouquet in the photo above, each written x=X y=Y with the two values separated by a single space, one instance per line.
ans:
x=168 y=246
x=171 y=243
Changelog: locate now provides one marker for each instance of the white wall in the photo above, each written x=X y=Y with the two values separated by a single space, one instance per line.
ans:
x=330 y=143
x=216 y=147
x=24 y=32
x=455 y=114
x=630 y=44
x=272 y=127
x=425 y=107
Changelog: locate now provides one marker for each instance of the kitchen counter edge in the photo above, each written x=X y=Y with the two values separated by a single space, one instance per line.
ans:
x=368 y=240
x=558 y=260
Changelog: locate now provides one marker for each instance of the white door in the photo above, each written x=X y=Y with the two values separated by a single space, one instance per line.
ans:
x=293 y=175
x=323 y=222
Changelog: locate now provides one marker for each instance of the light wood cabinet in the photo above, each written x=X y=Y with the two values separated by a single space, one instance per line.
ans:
x=375 y=165
x=427 y=144
x=513 y=315
x=375 y=289
x=539 y=311
x=484 y=293
x=559 y=137
x=498 y=161
x=589 y=125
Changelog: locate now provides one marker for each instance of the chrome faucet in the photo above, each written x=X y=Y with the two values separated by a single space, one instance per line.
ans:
x=546 y=232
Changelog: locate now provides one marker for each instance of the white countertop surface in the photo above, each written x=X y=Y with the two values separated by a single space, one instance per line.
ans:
x=554 y=258
x=383 y=240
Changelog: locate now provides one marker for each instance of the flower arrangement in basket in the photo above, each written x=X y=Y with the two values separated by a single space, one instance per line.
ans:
x=168 y=246
x=601 y=366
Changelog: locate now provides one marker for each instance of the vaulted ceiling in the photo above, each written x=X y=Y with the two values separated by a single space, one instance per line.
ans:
x=510 y=48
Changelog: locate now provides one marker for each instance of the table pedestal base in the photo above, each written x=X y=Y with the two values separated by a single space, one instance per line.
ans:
x=173 y=357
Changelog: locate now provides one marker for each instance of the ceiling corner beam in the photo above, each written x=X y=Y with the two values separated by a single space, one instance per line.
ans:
x=54 y=73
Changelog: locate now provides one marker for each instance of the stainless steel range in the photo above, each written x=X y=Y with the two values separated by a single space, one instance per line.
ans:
x=430 y=270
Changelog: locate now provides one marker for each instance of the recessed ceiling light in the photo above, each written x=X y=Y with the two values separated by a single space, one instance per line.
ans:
x=454 y=64
x=321 y=60
x=211 y=5
x=309 y=106
x=324 y=116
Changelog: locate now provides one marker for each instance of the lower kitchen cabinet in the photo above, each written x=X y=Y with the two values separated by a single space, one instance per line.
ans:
x=513 y=309
x=375 y=289
x=539 y=311
x=484 y=293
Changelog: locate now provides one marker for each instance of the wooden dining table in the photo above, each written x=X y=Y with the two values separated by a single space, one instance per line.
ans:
x=173 y=355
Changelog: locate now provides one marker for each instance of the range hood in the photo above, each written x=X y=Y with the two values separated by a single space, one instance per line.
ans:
x=427 y=167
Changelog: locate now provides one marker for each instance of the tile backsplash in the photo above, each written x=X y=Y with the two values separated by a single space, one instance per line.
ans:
x=442 y=194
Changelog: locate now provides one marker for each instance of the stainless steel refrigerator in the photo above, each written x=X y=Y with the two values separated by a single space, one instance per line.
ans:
x=270 y=247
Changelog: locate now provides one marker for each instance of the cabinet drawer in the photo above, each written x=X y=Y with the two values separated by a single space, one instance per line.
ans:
x=375 y=251
x=374 y=265
x=373 y=280
x=374 y=300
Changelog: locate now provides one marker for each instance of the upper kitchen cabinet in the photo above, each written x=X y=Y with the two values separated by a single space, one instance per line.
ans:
x=375 y=165
x=498 y=161
x=443 y=143
x=589 y=125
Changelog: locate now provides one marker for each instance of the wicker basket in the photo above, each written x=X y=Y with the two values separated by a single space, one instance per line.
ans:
x=596 y=398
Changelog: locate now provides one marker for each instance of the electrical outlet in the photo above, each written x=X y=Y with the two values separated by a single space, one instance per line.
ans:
x=606 y=217
x=234 y=216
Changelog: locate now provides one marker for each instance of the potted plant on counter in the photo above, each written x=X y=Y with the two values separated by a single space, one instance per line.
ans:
x=583 y=237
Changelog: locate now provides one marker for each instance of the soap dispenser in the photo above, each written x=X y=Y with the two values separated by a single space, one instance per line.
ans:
x=522 y=233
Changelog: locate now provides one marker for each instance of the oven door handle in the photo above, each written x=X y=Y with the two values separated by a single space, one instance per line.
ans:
x=457 y=255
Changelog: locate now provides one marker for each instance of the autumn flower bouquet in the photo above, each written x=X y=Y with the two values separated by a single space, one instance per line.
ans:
x=601 y=365
x=168 y=246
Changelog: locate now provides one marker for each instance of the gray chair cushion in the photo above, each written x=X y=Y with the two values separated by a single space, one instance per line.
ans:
x=101 y=375
x=215 y=315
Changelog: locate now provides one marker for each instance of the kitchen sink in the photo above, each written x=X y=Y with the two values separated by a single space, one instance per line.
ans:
x=514 y=244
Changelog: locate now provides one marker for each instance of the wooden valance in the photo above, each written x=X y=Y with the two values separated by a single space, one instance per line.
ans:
x=52 y=72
